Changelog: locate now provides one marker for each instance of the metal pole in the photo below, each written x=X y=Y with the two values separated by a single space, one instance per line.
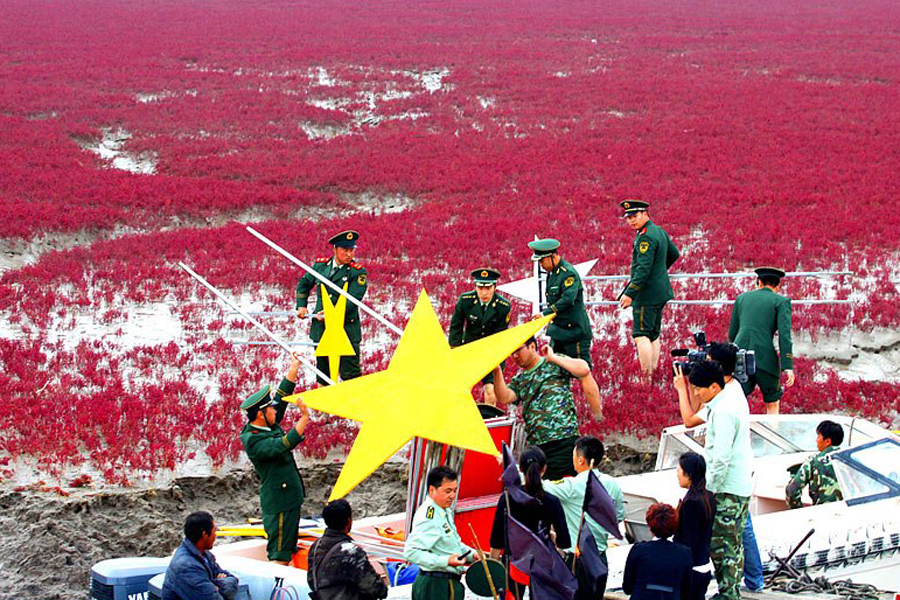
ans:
x=256 y=323
x=324 y=280
x=720 y=275
x=263 y=343
x=266 y=313
x=723 y=302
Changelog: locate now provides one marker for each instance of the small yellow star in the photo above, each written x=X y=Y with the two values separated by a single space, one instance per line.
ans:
x=334 y=343
x=424 y=392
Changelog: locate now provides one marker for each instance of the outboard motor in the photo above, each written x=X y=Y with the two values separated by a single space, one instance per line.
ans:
x=125 y=578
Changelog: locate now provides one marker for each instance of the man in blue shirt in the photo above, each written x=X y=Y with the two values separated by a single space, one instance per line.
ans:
x=193 y=573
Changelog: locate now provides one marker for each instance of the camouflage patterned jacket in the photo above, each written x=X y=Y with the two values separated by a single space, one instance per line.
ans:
x=545 y=394
x=818 y=473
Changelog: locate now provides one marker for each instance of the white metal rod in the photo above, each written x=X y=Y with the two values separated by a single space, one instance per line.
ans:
x=265 y=343
x=718 y=302
x=257 y=324
x=267 y=313
x=324 y=280
x=719 y=275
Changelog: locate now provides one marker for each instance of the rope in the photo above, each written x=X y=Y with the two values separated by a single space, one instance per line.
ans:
x=845 y=589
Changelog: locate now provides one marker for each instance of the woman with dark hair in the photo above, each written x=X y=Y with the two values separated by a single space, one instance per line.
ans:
x=660 y=569
x=695 y=520
x=544 y=517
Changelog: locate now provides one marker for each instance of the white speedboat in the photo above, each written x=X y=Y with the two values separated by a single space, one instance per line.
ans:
x=856 y=539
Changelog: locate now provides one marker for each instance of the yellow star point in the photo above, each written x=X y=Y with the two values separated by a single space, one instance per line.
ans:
x=425 y=392
x=334 y=343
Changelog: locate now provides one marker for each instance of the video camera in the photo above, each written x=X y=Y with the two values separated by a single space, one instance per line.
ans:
x=744 y=367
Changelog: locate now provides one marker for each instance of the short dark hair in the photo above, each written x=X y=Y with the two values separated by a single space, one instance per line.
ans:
x=662 y=519
x=530 y=341
x=705 y=373
x=831 y=431
x=590 y=449
x=337 y=514
x=770 y=280
x=196 y=524
x=251 y=413
x=725 y=354
x=438 y=475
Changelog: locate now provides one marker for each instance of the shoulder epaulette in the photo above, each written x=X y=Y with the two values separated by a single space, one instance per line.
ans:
x=323 y=259
x=356 y=265
x=503 y=301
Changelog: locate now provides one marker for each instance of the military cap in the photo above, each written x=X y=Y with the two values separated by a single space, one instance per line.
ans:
x=542 y=248
x=260 y=399
x=485 y=276
x=345 y=239
x=769 y=271
x=632 y=206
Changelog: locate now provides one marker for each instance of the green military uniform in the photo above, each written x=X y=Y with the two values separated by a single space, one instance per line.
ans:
x=726 y=547
x=755 y=318
x=818 y=473
x=473 y=320
x=281 y=490
x=548 y=410
x=652 y=255
x=356 y=277
x=570 y=332
x=432 y=540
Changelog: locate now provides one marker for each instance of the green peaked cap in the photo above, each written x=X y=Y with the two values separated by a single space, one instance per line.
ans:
x=257 y=400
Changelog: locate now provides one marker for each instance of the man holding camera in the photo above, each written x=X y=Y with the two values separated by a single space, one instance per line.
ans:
x=648 y=289
x=755 y=318
x=694 y=414
x=729 y=457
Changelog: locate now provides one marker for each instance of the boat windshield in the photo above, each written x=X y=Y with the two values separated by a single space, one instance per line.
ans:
x=869 y=472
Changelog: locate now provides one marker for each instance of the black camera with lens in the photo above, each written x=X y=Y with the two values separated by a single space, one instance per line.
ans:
x=744 y=367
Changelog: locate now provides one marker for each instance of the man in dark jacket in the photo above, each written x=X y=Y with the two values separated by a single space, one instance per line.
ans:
x=338 y=568
x=269 y=447
x=193 y=573
x=649 y=288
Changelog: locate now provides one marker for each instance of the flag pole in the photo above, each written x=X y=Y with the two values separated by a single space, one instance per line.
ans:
x=278 y=341
x=324 y=280
x=481 y=556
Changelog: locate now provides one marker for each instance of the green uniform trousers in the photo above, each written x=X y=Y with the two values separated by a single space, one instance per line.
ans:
x=769 y=385
x=559 y=458
x=430 y=586
x=726 y=548
x=647 y=322
x=281 y=534
x=580 y=349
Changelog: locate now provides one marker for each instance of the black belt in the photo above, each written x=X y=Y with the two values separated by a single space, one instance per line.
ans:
x=442 y=575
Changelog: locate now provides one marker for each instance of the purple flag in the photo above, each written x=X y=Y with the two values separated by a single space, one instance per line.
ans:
x=512 y=482
x=551 y=579
x=600 y=506
x=590 y=556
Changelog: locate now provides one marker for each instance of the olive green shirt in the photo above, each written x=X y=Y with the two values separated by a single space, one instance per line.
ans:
x=570 y=492
x=472 y=321
x=652 y=255
x=755 y=318
x=354 y=275
x=270 y=451
x=565 y=297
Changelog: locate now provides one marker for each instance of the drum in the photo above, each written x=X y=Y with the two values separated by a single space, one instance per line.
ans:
x=477 y=580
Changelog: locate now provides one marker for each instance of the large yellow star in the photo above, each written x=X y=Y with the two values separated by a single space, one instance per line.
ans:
x=424 y=392
x=334 y=343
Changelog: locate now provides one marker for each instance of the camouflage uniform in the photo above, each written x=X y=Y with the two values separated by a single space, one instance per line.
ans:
x=548 y=409
x=726 y=548
x=818 y=473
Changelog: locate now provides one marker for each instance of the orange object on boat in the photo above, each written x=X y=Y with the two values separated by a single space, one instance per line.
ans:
x=390 y=533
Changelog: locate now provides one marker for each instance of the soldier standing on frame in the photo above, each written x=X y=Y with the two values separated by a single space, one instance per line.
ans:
x=480 y=313
x=649 y=288
x=570 y=331
x=340 y=269
x=755 y=318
